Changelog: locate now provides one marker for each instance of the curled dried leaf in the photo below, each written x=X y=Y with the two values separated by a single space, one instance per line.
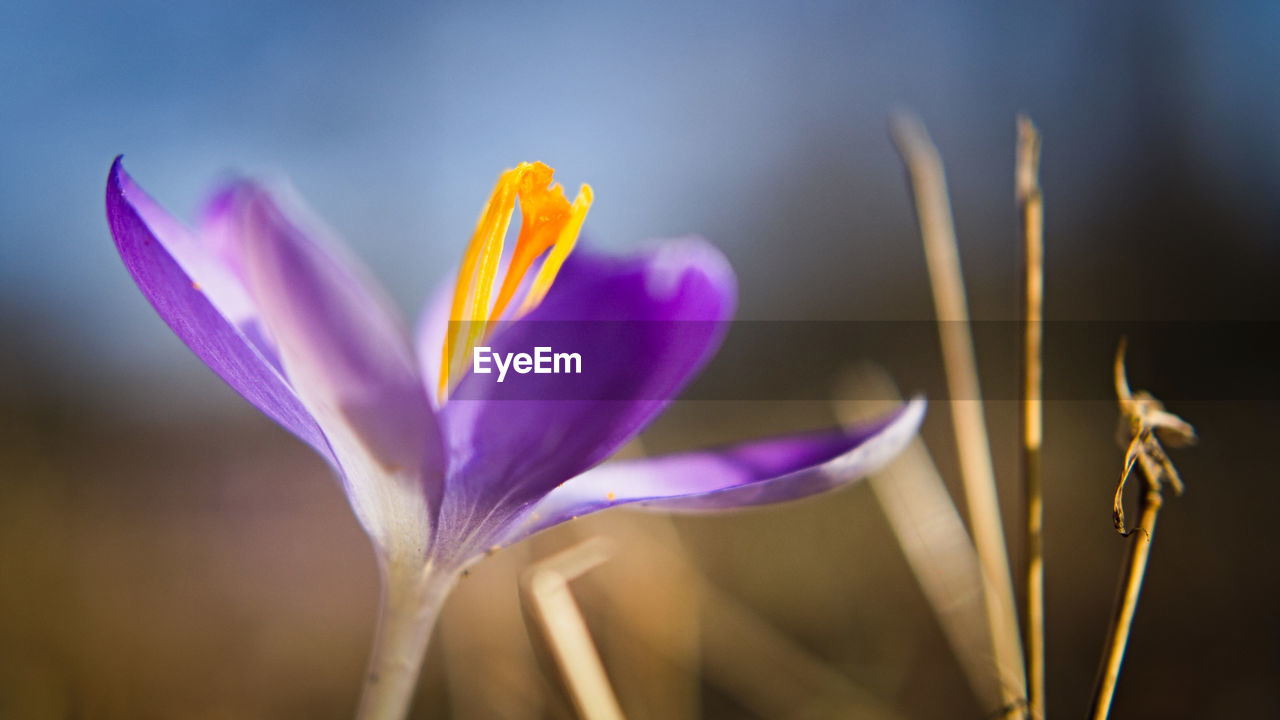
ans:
x=1145 y=425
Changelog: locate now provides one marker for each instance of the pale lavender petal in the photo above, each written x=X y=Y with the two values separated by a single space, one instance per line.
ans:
x=429 y=337
x=218 y=231
x=344 y=351
x=757 y=473
x=195 y=295
x=218 y=223
x=647 y=324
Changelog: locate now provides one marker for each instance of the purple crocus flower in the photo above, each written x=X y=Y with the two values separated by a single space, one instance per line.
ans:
x=442 y=465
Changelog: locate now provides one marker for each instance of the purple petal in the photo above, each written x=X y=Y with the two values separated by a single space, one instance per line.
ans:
x=757 y=473
x=199 y=300
x=218 y=230
x=344 y=351
x=646 y=324
x=429 y=338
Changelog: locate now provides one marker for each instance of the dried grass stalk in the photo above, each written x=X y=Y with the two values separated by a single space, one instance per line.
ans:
x=1027 y=176
x=931 y=533
x=545 y=587
x=933 y=208
x=1148 y=423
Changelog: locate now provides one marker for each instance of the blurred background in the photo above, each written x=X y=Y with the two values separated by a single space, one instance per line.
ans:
x=167 y=552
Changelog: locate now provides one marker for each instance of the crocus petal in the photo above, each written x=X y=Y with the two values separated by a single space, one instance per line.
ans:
x=347 y=356
x=645 y=324
x=433 y=323
x=757 y=473
x=218 y=231
x=196 y=296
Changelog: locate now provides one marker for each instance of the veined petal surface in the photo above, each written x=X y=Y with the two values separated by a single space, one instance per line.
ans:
x=347 y=355
x=754 y=473
x=198 y=298
x=645 y=323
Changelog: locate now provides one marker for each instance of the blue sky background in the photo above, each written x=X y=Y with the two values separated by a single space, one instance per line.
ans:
x=759 y=125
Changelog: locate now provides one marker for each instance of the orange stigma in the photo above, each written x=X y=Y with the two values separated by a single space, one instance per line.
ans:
x=549 y=224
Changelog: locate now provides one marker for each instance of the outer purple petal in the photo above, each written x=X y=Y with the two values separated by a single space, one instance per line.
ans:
x=762 y=472
x=646 y=324
x=429 y=337
x=199 y=300
x=345 y=352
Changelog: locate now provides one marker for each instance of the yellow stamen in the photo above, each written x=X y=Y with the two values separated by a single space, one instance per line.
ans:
x=543 y=211
x=548 y=220
x=560 y=251
x=496 y=215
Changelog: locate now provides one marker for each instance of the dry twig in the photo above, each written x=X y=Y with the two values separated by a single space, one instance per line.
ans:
x=933 y=208
x=931 y=533
x=1147 y=424
x=1031 y=200
x=546 y=585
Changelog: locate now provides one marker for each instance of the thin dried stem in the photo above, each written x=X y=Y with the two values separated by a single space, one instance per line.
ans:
x=1146 y=418
x=931 y=533
x=1030 y=198
x=1132 y=574
x=933 y=209
x=546 y=585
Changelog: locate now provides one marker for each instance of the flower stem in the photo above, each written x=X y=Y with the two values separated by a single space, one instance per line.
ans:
x=412 y=597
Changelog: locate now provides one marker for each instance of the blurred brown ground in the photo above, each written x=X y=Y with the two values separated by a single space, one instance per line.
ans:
x=210 y=568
